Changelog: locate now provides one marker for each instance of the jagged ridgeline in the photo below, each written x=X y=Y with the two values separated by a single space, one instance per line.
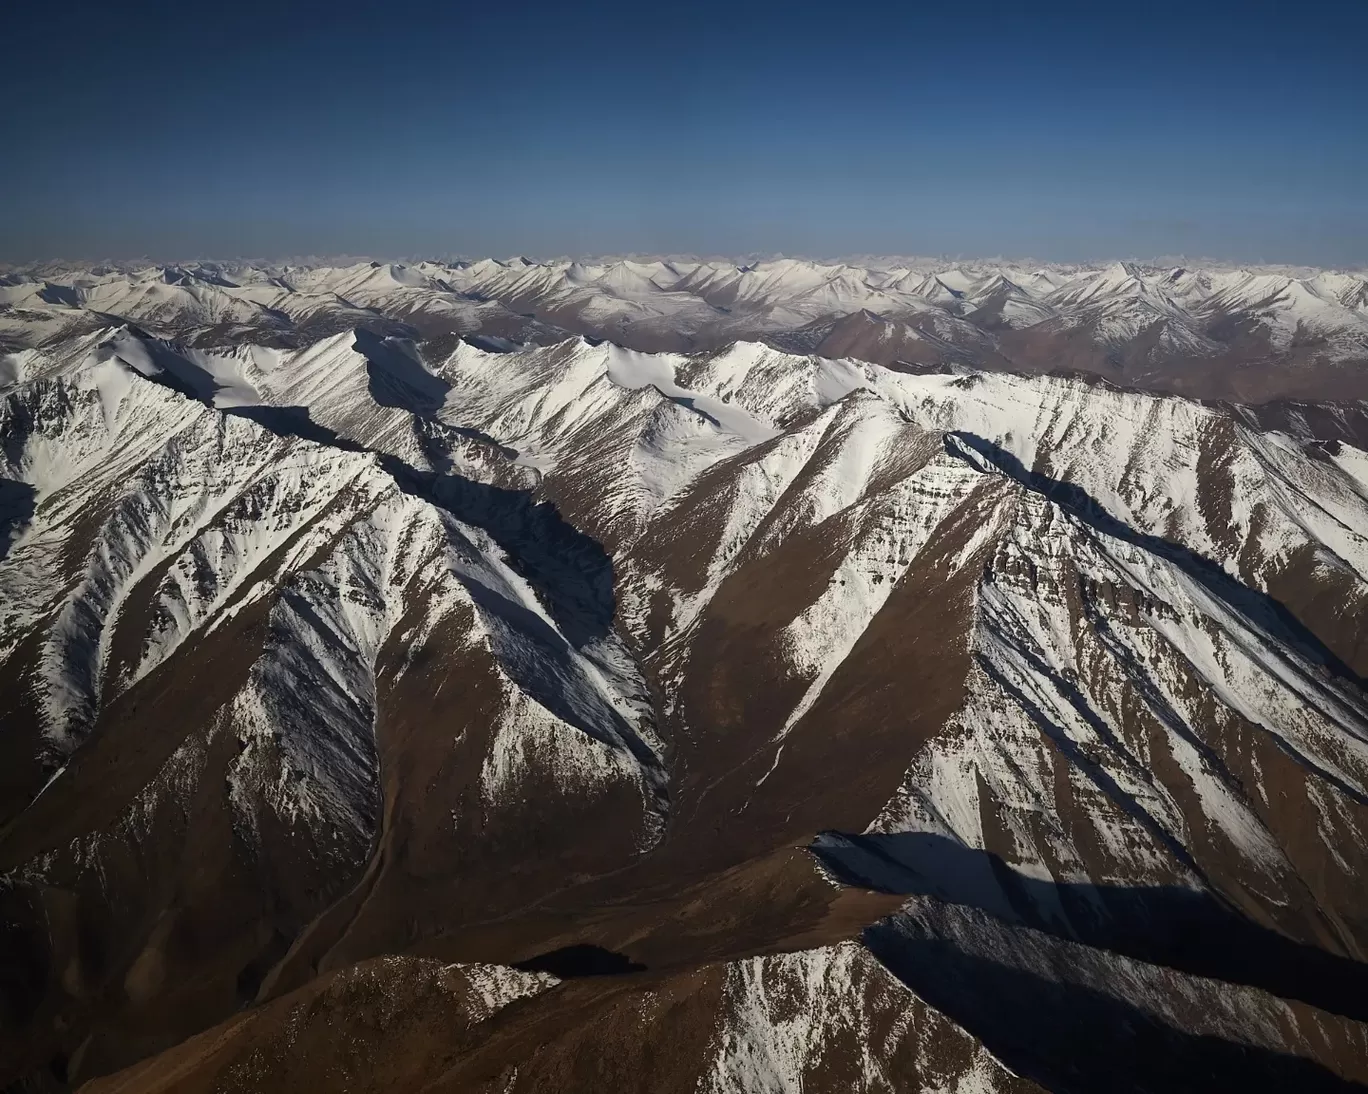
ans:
x=389 y=710
x=1249 y=335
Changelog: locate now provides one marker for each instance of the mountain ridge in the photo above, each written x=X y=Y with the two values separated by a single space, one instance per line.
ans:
x=1217 y=332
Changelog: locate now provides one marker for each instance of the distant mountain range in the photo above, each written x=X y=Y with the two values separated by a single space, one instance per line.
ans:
x=1211 y=333
x=682 y=677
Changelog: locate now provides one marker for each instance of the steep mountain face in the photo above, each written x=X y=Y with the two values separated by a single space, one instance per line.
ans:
x=383 y=713
x=1218 y=333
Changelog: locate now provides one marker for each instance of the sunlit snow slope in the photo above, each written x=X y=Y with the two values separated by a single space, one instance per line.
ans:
x=1213 y=332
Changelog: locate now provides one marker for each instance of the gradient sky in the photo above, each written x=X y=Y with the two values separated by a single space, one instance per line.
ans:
x=1231 y=129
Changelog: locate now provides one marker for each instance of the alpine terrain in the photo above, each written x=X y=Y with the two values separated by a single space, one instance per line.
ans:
x=683 y=677
x=1248 y=335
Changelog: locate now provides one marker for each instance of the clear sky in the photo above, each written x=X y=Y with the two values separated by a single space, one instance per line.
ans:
x=1232 y=129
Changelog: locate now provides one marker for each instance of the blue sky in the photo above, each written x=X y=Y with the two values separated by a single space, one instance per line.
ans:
x=1069 y=131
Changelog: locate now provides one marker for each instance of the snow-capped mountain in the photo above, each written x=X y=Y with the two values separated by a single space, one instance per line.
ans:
x=1248 y=335
x=386 y=709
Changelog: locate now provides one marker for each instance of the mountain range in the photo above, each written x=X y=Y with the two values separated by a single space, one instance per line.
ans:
x=683 y=677
x=1211 y=333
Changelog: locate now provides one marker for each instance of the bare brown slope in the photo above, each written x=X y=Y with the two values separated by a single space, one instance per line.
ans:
x=404 y=1025
x=470 y=896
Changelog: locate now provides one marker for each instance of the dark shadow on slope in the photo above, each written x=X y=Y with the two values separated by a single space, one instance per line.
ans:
x=582 y=959
x=173 y=371
x=1243 y=600
x=540 y=660
x=325 y=323
x=25 y=956
x=1097 y=772
x=17 y=503
x=293 y=421
x=64 y=295
x=573 y=577
x=1263 y=610
x=20 y=425
x=1328 y=422
x=1072 y=1039
x=251 y=976
x=1188 y=930
x=689 y=403
x=397 y=377
x=571 y=571
x=492 y=343
x=436 y=438
x=18 y=499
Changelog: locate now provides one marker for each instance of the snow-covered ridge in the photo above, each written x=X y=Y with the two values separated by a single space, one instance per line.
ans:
x=645 y=427
x=979 y=310
x=144 y=521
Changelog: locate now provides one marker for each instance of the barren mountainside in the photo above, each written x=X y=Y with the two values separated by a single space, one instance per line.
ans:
x=680 y=677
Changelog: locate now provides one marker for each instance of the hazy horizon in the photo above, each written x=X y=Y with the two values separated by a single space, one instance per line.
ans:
x=132 y=263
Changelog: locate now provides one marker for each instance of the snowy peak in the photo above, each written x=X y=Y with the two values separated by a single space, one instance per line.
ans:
x=1189 y=329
